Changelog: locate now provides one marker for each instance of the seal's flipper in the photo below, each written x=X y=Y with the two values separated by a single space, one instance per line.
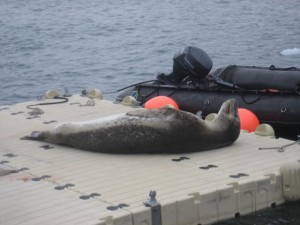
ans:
x=35 y=135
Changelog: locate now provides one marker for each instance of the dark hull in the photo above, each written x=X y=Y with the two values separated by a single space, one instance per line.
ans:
x=279 y=109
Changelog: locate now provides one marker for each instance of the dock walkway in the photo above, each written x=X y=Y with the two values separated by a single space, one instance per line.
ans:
x=44 y=183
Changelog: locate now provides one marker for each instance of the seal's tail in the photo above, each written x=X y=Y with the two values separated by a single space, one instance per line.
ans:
x=35 y=135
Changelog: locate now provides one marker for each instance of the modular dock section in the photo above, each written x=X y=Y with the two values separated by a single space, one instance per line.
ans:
x=44 y=183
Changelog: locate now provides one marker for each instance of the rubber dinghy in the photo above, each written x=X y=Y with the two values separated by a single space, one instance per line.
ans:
x=271 y=93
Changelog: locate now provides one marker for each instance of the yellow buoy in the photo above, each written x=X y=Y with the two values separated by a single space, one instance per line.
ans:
x=129 y=101
x=50 y=94
x=211 y=117
x=265 y=130
x=95 y=93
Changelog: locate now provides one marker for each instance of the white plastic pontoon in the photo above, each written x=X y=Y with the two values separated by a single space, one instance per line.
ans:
x=43 y=183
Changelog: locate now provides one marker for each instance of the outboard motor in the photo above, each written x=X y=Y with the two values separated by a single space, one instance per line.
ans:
x=191 y=62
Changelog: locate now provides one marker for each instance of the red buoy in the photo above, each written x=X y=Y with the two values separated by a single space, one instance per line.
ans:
x=248 y=120
x=160 y=101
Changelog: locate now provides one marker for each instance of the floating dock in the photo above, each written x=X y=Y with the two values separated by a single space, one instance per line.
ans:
x=44 y=183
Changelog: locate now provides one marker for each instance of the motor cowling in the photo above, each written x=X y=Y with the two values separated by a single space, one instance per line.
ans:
x=191 y=62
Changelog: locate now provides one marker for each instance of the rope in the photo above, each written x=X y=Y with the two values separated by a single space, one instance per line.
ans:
x=253 y=101
x=37 y=111
x=132 y=85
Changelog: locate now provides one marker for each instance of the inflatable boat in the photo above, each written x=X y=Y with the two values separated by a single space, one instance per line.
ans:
x=271 y=93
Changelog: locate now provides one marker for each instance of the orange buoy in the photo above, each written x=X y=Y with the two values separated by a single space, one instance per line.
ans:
x=248 y=120
x=160 y=101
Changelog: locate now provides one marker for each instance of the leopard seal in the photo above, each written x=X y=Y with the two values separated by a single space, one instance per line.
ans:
x=163 y=130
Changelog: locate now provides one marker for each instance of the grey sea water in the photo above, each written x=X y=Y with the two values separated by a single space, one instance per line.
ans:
x=104 y=44
x=110 y=44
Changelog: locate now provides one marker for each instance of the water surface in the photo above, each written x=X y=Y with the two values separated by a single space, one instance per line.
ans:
x=110 y=44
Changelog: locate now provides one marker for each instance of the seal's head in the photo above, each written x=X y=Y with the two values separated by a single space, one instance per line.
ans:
x=229 y=109
x=228 y=118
